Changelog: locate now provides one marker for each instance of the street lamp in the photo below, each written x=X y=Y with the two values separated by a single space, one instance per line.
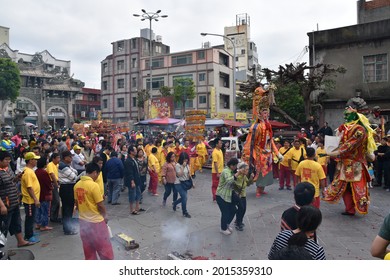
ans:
x=234 y=68
x=150 y=16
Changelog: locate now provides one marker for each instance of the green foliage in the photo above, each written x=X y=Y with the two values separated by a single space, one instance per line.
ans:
x=9 y=80
x=142 y=96
x=165 y=91
x=290 y=100
x=183 y=89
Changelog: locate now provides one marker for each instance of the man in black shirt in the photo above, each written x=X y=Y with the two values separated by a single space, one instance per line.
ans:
x=303 y=195
x=383 y=160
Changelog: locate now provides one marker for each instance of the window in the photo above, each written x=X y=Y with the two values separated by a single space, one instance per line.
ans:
x=120 y=46
x=134 y=101
x=156 y=63
x=158 y=49
x=121 y=83
x=201 y=55
x=181 y=76
x=105 y=67
x=134 y=82
x=134 y=43
x=120 y=102
x=224 y=101
x=202 y=99
x=120 y=65
x=133 y=63
x=105 y=104
x=104 y=85
x=224 y=80
x=156 y=83
x=243 y=51
x=224 y=59
x=182 y=59
x=189 y=104
x=375 y=68
x=202 y=77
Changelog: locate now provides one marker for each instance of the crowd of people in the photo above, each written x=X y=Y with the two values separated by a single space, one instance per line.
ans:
x=68 y=178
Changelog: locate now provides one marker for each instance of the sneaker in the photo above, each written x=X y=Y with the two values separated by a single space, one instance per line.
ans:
x=281 y=188
x=230 y=228
x=173 y=207
x=225 y=232
x=186 y=215
x=240 y=228
x=70 y=232
x=33 y=239
x=155 y=194
x=289 y=188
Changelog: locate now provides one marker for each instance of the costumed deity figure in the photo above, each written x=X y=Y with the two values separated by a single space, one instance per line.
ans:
x=356 y=146
x=257 y=152
x=201 y=150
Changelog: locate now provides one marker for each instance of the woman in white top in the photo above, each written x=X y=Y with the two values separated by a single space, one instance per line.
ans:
x=181 y=183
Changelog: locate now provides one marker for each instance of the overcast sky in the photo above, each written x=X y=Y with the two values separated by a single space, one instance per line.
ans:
x=82 y=30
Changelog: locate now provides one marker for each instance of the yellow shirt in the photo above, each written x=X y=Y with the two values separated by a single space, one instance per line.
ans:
x=312 y=172
x=152 y=160
x=201 y=149
x=148 y=149
x=139 y=136
x=321 y=160
x=52 y=168
x=282 y=151
x=29 y=179
x=88 y=195
x=218 y=158
x=294 y=155
x=100 y=182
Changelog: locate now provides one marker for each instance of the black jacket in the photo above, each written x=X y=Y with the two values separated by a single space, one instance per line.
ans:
x=131 y=172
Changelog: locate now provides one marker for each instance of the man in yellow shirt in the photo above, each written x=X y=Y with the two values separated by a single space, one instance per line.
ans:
x=322 y=158
x=52 y=170
x=284 y=171
x=201 y=151
x=92 y=216
x=216 y=166
x=154 y=169
x=30 y=195
x=312 y=172
x=294 y=157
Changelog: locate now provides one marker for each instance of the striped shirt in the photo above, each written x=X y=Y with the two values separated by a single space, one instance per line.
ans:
x=8 y=190
x=281 y=241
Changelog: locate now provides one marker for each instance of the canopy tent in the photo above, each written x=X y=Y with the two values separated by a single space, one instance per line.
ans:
x=214 y=122
x=274 y=124
x=159 y=121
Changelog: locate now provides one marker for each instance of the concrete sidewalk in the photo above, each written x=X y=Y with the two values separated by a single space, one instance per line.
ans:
x=160 y=231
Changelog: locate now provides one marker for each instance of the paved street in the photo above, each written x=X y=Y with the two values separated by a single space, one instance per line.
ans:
x=159 y=230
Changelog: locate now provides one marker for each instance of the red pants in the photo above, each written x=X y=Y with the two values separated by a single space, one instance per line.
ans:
x=96 y=240
x=294 y=177
x=284 y=176
x=325 y=168
x=214 y=184
x=275 y=170
x=153 y=182
x=316 y=202
x=348 y=200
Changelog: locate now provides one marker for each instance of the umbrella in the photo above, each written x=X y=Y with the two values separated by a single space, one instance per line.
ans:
x=164 y=121
x=232 y=123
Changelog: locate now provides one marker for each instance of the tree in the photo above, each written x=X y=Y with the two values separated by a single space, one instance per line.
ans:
x=309 y=79
x=9 y=80
x=142 y=96
x=183 y=90
x=165 y=91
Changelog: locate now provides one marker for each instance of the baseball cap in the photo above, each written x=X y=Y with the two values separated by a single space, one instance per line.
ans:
x=76 y=147
x=31 y=155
